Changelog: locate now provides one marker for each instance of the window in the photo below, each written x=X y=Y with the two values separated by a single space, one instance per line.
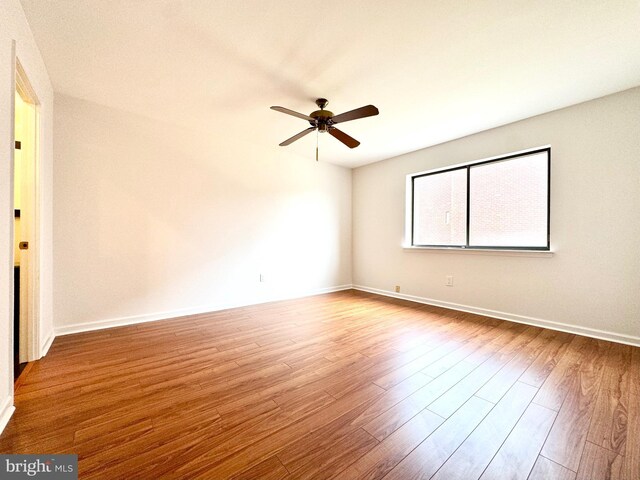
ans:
x=502 y=203
x=440 y=201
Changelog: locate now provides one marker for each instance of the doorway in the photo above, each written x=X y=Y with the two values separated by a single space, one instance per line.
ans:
x=25 y=332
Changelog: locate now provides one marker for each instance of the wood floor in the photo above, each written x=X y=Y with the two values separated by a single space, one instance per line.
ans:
x=345 y=385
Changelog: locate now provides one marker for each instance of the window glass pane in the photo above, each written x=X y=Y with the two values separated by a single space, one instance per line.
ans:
x=439 y=208
x=508 y=202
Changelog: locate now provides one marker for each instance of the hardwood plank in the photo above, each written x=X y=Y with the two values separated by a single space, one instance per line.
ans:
x=54 y=442
x=303 y=403
x=634 y=375
x=476 y=452
x=405 y=371
x=288 y=389
x=385 y=424
x=89 y=433
x=431 y=454
x=370 y=369
x=449 y=402
x=309 y=451
x=518 y=454
x=608 y=427
x=559 y=382
x=545 y=469
x=157 y=462
x=381 y=459
x=392 y=397
x=261 y=447
x=270 y=469
x=440 y=345
x=569 y=433
x=632 y=452
x=598 y=462
x=106 y=440
x=156 y=453
x=502 y=381
x=321 y=463
x=495 y=334
x=542 y=366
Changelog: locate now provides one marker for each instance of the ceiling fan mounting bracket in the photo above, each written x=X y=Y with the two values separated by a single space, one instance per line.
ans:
x=322 y=102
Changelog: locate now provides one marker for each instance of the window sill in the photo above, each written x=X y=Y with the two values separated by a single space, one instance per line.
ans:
x=484 y=251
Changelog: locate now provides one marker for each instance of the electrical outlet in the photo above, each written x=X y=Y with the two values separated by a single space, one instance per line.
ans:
x=397 y=288
x=262 y=278
x=449 y=281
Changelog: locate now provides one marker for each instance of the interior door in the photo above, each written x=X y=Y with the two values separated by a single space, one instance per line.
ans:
x=23 y=188
x=17 y=368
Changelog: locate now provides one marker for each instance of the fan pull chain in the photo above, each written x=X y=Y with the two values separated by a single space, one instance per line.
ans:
x=317 y=135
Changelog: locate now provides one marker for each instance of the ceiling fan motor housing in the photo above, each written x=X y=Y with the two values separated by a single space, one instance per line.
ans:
x=322 y=117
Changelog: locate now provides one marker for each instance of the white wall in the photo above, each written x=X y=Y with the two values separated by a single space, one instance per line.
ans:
x=153 y=220
x=593 y=280
x=14 y=27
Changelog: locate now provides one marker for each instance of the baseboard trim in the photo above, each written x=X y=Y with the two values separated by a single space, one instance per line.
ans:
x=537 y=322
x=152 y=317
x=6 y=412
x=47 y=344
x=123 y=321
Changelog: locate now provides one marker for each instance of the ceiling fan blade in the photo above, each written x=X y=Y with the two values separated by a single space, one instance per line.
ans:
x=291 y=112
x=344 y=138
x=361 y=112
x=297 y=136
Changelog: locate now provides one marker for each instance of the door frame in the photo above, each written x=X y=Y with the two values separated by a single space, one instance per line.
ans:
x=30 y=324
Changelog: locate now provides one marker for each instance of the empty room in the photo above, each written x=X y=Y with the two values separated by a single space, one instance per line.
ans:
x=334 y=240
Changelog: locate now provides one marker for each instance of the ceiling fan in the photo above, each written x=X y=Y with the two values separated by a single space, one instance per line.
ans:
x=323 y=121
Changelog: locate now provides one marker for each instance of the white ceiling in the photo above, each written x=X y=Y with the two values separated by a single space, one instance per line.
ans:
x=437 y=70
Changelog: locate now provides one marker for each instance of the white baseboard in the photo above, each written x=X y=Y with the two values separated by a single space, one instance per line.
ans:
x=47 y=344
x=122 y=321
x=6 y=411
x=152 y=317
x=537 y=322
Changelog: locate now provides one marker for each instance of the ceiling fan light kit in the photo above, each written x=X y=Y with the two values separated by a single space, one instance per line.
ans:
x=324 y=120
